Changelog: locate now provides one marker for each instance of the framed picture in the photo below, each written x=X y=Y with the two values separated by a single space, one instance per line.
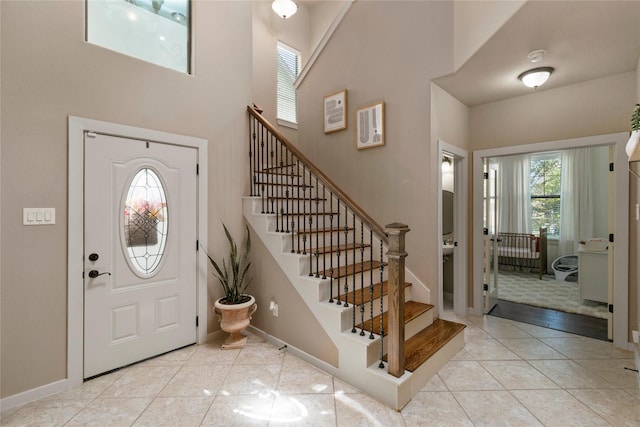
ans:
x=335 y=111
x=370 y=126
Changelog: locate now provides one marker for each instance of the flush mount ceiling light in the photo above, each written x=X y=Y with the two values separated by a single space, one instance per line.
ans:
x=284 y=8
x=535 y=77
x=179 y=17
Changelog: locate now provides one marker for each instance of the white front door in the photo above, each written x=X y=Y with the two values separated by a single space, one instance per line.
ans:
x=140 y=250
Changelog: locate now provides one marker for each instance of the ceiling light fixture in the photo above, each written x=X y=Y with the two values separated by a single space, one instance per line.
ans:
x=535 y=77
x=179 y=17
x=284 y=8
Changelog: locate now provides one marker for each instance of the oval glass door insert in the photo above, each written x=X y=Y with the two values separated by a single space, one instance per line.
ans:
x=145 y=222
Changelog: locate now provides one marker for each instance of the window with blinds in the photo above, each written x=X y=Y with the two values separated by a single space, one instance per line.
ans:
x=288 y=69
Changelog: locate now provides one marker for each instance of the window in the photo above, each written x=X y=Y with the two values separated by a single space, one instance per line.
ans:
x=155 y=31
x=145 y=222
x=288 y=69
x=545 y=192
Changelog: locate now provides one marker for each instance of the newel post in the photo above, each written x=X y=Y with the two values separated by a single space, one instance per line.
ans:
x=396 y=256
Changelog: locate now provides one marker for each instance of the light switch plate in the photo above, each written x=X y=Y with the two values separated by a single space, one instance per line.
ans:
x=38 y=216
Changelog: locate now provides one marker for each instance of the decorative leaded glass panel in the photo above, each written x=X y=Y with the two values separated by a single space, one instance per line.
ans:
x=145 y=222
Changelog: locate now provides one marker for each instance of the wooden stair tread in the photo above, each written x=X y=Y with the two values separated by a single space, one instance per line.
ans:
x=350 y=269
x=285 y=184
x=279 y=173
x=420 y=347
x=359 y=300
x=311 y=213
x=307 y=199
x=279 y=170
x=275 y=168
x=412 y=309
x=321 y=230
x=306 y=214
x=334 y=248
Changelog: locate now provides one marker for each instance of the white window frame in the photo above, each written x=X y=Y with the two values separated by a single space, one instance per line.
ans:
x=134 y=29
x=545 y=156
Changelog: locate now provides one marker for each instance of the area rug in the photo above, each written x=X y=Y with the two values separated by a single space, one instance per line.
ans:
x=526 y=288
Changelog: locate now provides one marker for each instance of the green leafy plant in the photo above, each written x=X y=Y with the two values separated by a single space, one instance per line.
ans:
x=635 y=118
x=233 y=276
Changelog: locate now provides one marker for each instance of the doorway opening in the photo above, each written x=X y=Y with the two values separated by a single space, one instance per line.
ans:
x=613 y=224
x=452 y=226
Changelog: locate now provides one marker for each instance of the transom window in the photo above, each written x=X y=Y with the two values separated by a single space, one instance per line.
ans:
x=156 y=31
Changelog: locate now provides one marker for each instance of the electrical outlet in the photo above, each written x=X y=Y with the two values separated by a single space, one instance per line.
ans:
x=274 y=308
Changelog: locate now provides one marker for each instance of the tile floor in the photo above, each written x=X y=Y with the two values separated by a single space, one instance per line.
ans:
x=508 y=374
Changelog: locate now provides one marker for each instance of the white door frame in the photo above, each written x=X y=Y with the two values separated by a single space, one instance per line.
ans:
x=460 y=198
x=621 y=219
x=75 y=246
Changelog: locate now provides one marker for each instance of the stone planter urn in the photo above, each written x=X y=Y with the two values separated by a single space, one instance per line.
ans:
x=235 y=318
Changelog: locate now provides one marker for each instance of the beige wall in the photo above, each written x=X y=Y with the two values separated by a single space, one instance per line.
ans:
x=475 y=22
x=394 y=183
x=48 y=73
x=296 y=325
x=449 y=119
x=1 y=181
x=322 y=16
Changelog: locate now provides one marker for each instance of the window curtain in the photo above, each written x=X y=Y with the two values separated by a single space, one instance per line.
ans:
x=576 y=200
x=514 y=193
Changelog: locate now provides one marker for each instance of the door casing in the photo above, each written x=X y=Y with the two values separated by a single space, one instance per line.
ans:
x=75 y=250
x=460 y=197
x=621 y=219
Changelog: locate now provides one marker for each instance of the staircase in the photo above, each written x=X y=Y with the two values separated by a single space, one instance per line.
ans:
x=349 y=271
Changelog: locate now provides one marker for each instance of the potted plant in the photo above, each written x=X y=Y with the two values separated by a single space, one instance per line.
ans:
x=235 y=308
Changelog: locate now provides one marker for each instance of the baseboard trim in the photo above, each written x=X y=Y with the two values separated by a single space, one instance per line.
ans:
x=320 y=364
x=33 y=394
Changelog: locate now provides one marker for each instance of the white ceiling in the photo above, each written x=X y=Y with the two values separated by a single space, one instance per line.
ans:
x=584 y=39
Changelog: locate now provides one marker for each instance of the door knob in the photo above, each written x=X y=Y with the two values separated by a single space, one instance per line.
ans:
x=95 y=273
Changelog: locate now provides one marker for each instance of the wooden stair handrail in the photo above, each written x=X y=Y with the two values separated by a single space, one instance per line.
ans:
x=370 y=222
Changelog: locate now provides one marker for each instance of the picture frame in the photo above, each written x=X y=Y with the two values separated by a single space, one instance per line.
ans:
x=370 y=126
x=335 y=111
